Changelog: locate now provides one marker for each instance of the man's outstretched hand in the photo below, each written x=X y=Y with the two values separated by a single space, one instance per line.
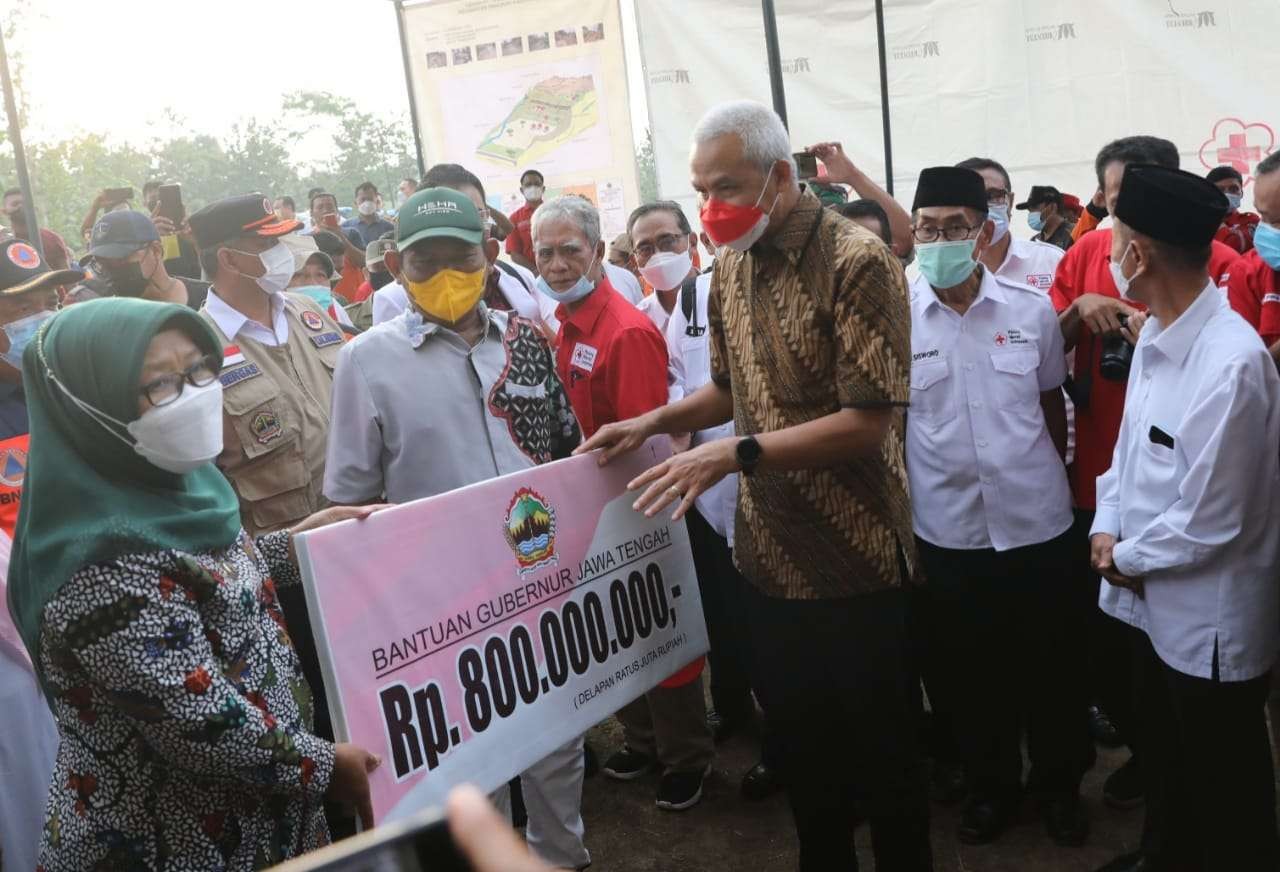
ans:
x=619 y=438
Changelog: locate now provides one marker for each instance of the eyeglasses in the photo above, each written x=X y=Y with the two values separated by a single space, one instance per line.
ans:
x=952 y=233
x=169 y=387
x=666 y=242
x=997 y=196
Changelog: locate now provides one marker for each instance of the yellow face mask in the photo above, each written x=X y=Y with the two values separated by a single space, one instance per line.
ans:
x=449 y=294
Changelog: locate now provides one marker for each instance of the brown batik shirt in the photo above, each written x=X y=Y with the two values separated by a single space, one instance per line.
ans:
x=810 y=321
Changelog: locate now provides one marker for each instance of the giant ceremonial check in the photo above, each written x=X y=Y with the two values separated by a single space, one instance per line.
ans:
x=465 y=636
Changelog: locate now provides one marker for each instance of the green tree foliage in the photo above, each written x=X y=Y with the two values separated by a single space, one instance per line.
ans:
x=647 y=170
x=254 y=155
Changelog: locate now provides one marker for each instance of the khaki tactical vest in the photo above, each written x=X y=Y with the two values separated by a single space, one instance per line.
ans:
x=276 y=417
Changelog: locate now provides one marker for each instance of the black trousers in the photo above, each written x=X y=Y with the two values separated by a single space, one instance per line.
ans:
x=1206 y=767
x=835 y=680
x=1108 y=641
x=724 y=606
x=1004 y=634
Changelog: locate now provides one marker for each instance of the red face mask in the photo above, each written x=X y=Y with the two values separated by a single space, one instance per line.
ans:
x=738 y=227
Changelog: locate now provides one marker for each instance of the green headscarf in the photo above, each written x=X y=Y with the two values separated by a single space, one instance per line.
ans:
x=88 y=496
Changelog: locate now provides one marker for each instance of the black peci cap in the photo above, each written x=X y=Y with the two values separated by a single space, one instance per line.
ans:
x=951 y=186
x=246 y=215
x=22 y=270
x=1169 y=205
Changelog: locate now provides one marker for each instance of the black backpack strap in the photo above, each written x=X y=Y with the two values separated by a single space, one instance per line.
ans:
x=689 y=306
x=514 y=273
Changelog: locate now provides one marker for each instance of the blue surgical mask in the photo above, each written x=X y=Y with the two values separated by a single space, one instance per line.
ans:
x=1036 y=220
x=1235 y=200
x=1266 y=239
x=321 y=294
x=20 y=334
x=946 y=264
x=998 y=214
x=580 y=289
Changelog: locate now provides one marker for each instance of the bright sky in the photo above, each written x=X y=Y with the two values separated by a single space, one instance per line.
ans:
x=212 y=62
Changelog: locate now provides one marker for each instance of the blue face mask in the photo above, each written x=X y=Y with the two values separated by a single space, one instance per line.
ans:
x=1266 y=239
x=580 y=289
x=998 y=214
x=20 y=334
x=322 y=295
x=946 y=264
x=1036 y=220
x=1235 y=200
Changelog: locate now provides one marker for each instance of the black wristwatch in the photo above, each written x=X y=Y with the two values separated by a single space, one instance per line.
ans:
x=748 y=454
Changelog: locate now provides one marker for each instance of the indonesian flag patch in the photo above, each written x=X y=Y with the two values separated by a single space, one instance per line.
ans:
x=231 y=355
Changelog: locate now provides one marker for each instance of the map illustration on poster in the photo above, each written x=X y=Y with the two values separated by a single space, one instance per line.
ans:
x=505 y=86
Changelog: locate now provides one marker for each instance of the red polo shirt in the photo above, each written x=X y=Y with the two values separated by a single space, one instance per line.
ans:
x=521 y=241
x=1254 y=292
x=611 y=359
x=1236 y=231
x=613 y=363
x=1086 y=270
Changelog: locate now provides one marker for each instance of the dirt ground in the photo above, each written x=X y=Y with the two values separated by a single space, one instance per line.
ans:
x=626 y=832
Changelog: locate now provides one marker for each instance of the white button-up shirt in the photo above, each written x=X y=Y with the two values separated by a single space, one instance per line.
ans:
x=652 y=306
x=689 y=368
x=983 y=468
x=233 y=322
x=1193 y=494
x=1031 y=263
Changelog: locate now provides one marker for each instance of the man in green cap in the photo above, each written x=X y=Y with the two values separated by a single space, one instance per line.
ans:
x=447 y=394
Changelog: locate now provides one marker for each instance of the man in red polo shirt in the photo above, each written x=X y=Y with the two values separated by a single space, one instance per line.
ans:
x=520 y=241
x=1238 y=227
x=612 y=362
x=1254 y=291
x=1089 y=311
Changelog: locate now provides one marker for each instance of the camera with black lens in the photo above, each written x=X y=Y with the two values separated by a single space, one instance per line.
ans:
x=1117 y=354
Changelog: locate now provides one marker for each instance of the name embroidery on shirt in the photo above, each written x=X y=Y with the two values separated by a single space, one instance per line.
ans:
x=1014 y=337
x=1271 y=298
x=324 y=340
x=584 y=357
x=924 y=355
x=237 y=374
x=1040 y=280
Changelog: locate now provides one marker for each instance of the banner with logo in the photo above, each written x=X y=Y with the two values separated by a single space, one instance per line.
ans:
x=1039 y=86
x=465 y=636
x=503 y=86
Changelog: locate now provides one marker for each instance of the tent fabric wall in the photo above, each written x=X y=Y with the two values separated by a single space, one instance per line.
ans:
x=1038 y=85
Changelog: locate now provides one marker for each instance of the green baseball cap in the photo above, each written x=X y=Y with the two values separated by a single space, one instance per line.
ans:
x=434 y=212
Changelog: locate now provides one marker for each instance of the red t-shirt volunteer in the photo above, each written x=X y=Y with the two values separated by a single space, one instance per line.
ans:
x=1236 y=231
x=1254 y=292
x=613 y=364
x=1086 y=270
x=521 y=240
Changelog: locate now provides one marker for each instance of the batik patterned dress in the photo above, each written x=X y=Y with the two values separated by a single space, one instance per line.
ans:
x=184 y=717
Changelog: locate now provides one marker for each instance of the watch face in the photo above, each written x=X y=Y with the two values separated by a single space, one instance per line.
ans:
x=748 y=451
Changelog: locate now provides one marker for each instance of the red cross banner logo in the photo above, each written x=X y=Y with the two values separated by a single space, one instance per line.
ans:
x=1237 y=144
x=1001 y=340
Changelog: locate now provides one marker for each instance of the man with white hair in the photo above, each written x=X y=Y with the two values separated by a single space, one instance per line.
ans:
x=612 y=362
x=811 y=356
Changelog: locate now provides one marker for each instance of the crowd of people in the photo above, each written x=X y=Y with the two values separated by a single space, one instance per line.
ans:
x=1023 y=497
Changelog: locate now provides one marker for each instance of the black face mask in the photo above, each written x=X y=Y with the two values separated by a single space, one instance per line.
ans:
x=379 y=278
x=128 y=280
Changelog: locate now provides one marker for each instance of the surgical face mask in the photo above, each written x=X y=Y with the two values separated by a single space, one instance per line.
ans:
x=277 y=268
x=20 y=334
x=738 y=227
x=1235 y=200
x=1036 y=221
x=667 y=269
x=998 y=214
x=580 y=289
x=1266 y=239
x=449 y=294
x=533 y=193
x=1117 y=273
x=946 y=264
x=366 y=207
x=177 y=437
x=322 y=294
